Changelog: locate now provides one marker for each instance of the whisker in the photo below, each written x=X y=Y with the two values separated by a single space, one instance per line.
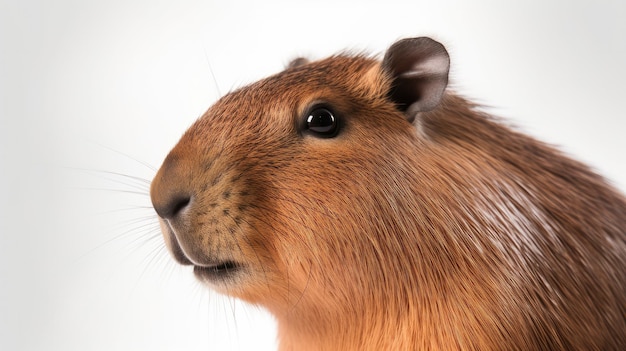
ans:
x=99 y=171
x=132 y=182
x=157 y=251
x=233 y=308
x=142 y=229
x=208 y=62
x=161 y=260
x=145 y=164
x=143 y=193
x=129 y=209
x=168 y=262
x=130 y=227
x=148 y=218
x=149 y=230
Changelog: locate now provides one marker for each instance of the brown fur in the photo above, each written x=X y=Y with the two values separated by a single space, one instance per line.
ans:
x=454 y=232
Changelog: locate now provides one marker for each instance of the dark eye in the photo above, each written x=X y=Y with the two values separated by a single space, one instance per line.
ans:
x=322 y=122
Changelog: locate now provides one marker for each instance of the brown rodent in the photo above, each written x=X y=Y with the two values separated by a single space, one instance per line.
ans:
x=367 y=208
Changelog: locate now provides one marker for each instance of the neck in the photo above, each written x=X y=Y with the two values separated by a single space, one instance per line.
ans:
x=443 y=320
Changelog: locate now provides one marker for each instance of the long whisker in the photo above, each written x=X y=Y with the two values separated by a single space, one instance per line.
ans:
x=98 y=171
x=208 y=62
x=143 y=193
x=149 y=228
x=128 y=209
x=137 y=184
x=145 y=164
x=156 y=252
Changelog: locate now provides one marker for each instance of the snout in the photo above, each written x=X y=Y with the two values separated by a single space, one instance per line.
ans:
x=201 y=210
x=172 y=196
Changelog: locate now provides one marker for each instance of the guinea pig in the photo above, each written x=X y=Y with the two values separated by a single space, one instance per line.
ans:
x=367 y=207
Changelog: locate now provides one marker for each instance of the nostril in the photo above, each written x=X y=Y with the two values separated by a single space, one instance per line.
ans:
x=172 y=208
x=176 y=204
x=170 y=191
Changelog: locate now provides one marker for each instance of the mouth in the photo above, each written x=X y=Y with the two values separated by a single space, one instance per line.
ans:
x=218 y=271
x=212 y=271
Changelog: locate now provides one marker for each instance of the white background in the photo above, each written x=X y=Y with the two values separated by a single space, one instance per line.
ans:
x=89 y=89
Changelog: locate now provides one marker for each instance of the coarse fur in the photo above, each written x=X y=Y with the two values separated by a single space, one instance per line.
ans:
x=453 y=232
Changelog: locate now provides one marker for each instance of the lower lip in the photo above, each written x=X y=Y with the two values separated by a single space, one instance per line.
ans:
x=217 y=272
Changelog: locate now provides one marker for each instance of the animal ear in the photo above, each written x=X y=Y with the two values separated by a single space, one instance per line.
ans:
x=299 y=61
x=419 y=68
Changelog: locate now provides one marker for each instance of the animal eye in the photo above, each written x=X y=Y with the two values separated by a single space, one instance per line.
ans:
x=322 y=122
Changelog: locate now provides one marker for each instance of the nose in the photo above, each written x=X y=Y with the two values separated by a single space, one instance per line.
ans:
x=171 y=206
x=170 y=190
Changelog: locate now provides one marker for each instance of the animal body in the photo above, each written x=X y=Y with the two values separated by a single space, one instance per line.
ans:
x=367 y=207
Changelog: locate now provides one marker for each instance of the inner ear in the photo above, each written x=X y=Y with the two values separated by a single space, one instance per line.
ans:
x=419 y=69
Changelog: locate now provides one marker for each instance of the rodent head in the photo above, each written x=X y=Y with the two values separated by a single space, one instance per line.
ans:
x=278 y=183
x=355 y=196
